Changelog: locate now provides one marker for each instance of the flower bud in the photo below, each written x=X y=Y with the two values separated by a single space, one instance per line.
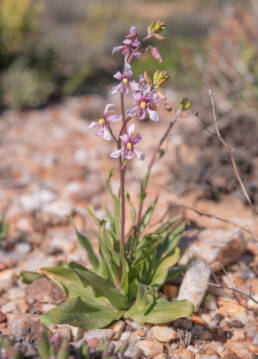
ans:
x=147 y=78
x=159 y=78
x=156 y=27
x=156 y=54
x=185 y=104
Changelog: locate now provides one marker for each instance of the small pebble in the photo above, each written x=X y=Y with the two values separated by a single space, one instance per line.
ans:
x=163 y=334
x=205 y=335
x=93 y=342
x=150 y=348
x=2 y=317
x=236 y=324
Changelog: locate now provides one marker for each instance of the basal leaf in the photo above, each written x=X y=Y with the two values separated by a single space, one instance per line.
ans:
x=29 y=277
x=147 y=215
x=165 y=226
x=174 y=272
x=85 y=243
x=161 y=271
x=101 y=287
x=145 y=298
x=163 y=311
x=79 y=313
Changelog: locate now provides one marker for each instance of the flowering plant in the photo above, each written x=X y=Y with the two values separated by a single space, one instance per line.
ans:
x=125 y=279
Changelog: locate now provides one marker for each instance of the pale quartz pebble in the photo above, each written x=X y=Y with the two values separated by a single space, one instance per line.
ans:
x=150 y=348
x=162 y=333
x=135 y=325
x=98 y=334
x=76 y=333
x=251 y=304
x=10 y=307
x=125 y=336
x=133 y=351
x=60 y=208
x=15 y=293
x=33 y=201
x=118 y=328
x=195 y=283
x=6 y=279
x=217 y=248
x=20 y=325
x=210 y=356
x=255 y=340
x=23 y=248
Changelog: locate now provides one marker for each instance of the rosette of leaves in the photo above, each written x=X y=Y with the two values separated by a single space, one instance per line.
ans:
x=108 y=291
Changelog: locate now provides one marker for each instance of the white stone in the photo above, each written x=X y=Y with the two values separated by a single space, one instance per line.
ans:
x=163 y=333
x=23 y=248
x=217 y=248
x=15 y=293
x=60 y=208
x=133 y=351
x=33 y=201
x=10 y=307
x=98 y=334
x=6 y=279
x=150 y=348
x=195 y=283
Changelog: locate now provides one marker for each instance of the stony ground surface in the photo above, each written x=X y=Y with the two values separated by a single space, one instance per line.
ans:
x=51 y=167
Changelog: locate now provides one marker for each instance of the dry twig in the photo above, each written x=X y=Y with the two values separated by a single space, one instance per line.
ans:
x=230 y=153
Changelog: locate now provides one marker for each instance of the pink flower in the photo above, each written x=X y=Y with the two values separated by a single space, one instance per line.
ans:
x=104 y=122
x=156 y=54
x=128 y=148
x=124 y=79
x=146 y=101
x=130 y=44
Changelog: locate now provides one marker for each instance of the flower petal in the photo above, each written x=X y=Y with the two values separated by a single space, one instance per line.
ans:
x=154 y=116
x=137 y=139
x=116 y=153
x=106 y=135
x=140 y=155
x=131 y=129
x=116 y=49
x=118 y=76
x=107 y=108
x=114 y=118
x=115 y=89
x=124 y=138
x=92 y=124
x=129 y=155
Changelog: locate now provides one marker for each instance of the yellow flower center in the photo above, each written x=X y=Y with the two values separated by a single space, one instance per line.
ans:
x=101 y=121
x=125 y=80
x=129 y=145
x=143 y=104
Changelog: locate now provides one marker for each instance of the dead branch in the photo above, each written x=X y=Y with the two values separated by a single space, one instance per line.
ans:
x=247 y=295
x=230 y=153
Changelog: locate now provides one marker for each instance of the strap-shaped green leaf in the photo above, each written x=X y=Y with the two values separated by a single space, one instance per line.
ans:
x=147 y=215
x=101 y=287
x=161 y=271
x=79 y=313
x=85 y=243
x=171 y=241
x=165 y=226
x=163 y=311
x=28 y=277
x=145 y=298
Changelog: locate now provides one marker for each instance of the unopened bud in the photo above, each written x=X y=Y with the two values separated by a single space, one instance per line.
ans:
x=156 y=54
x=185 y=104
x=147 y=78
x=156 y=27
x=159 y=78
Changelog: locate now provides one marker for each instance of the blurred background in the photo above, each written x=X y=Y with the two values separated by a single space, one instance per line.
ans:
x=56 y=71
x=52 y=49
